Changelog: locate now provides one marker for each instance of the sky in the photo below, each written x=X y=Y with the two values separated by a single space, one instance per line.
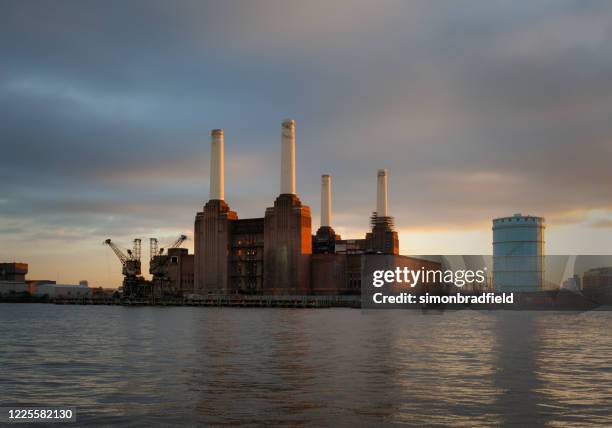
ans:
x=478 y=109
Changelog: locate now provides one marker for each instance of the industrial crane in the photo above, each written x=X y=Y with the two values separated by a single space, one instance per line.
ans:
x=158 y=263
x=154 y=244
x=130 y=262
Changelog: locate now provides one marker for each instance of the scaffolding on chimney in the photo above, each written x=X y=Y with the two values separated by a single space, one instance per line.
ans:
x=385 y=222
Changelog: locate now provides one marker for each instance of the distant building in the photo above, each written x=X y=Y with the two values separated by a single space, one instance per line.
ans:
x=12 y=278
x=572 y=284
x=518 y=253
x=66 y=291
x=13 y=281
x=597 y=285
x=12 y=287
x=13 y=271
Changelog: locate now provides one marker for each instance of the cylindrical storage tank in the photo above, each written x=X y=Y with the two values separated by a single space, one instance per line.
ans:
x=518 y=253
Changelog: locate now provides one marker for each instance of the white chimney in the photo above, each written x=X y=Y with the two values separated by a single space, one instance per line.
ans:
x=217 y=165
x=381 y=194
x=326 y=200
x=288 y=157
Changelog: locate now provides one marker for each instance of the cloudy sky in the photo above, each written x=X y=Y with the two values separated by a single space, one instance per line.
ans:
x=477 y=108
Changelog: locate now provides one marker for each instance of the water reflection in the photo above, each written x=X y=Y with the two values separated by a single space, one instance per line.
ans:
x=516 y=376
x=176 y=366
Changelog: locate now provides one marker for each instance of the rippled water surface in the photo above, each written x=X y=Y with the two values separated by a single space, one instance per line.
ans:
x=174 y=366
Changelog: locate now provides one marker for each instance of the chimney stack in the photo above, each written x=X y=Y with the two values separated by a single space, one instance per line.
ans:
x=325 y=200
x=288 y=157
x=381 y=194
x=217 y=185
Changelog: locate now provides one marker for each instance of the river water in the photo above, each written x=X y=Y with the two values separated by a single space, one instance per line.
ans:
x=142 y=366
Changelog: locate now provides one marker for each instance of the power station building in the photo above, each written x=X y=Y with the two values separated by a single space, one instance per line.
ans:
x=277 y=253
